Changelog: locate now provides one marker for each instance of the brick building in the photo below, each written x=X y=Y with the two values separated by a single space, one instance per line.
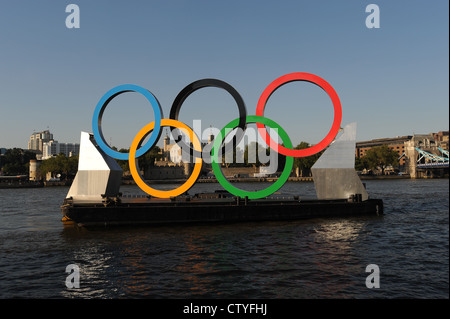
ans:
x=396 y=144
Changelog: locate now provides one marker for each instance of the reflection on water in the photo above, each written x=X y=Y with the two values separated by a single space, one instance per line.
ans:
x=321 y=258
x=338 y=239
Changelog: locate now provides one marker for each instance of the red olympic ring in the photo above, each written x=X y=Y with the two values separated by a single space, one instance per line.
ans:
x=300 y=76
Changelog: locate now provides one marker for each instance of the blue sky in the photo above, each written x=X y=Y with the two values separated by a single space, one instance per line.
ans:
x=392 y=81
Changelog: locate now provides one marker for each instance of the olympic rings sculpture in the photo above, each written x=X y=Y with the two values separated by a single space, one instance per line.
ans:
x=154 y=128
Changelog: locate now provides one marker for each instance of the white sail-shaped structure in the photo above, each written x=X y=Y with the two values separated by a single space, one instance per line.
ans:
x=334 y=172
x=98 y=174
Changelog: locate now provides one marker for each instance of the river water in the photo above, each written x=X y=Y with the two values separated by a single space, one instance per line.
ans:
x=320 y=258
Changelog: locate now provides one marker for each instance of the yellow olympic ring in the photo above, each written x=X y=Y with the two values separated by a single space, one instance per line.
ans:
x=133 y=161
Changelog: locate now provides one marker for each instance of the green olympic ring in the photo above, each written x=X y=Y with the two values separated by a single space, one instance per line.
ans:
x=218 y=172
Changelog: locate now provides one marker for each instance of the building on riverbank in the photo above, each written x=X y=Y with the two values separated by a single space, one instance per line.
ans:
x=394 y=143
x=408 y=148
x=45 y=146
x=53 y=148
x=37 y=140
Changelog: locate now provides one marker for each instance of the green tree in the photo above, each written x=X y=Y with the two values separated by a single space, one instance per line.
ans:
x=281 y=159
x=122 y=163
x=251 y=154
x=59 y=164
x=46 y=166
x=72 y=165
x=148 y=159
x=236 y=159
x=361 y=163
x=304 y=164
x=381 y=156
x=16 y=161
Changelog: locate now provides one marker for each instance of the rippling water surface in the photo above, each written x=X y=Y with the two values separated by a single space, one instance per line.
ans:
x=321 y=258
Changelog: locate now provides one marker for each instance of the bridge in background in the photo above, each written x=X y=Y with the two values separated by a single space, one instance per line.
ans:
x=427 y=156
x=429 y=160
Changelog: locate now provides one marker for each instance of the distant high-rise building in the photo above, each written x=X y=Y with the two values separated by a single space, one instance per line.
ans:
x=45 y=146
x=38 y=139
x=53 y=148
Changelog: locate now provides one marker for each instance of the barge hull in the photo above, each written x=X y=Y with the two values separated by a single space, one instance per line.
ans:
x=219 y=211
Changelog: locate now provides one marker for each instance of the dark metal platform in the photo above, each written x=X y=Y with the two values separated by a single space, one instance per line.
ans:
x=210 y=208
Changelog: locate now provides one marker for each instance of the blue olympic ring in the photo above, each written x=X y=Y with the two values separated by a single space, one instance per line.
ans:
x=100 y=108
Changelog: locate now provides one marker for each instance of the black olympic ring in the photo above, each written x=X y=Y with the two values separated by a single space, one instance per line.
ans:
x=191 y=88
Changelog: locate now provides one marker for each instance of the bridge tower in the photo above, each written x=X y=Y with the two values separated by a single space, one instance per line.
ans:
x=426 y=148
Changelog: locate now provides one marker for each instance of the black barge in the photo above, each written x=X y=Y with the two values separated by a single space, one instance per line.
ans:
x=210 y=208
